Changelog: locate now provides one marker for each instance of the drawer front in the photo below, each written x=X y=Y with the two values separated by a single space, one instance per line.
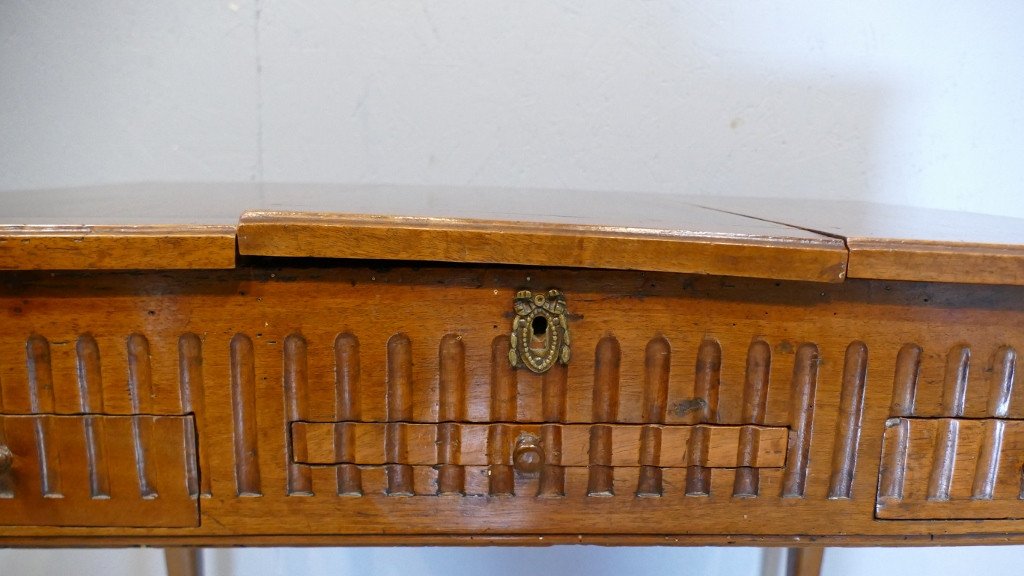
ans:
x=944 y=457
x=545 y=451
x=137 y=471
x=374 y=444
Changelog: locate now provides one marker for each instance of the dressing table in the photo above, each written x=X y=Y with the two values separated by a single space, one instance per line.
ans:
x=221 y=364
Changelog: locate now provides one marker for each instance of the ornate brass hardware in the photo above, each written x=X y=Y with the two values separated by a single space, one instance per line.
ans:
x=540 y=331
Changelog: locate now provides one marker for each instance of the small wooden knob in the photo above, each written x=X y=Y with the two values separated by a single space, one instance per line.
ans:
x=528 y=456
x=6 y=459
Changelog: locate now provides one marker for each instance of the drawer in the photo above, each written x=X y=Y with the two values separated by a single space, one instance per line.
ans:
x=944 y=457
x=92 y=439
x=283 y=370
x=536 y=450
x=137 y=471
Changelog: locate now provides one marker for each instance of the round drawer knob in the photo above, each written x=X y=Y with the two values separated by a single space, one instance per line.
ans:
x=528 y=456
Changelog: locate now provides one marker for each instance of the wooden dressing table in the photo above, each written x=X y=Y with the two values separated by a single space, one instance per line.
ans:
x=204 y=365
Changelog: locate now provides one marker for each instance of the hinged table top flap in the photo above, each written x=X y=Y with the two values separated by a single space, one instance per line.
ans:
x=902 y=242
x=181 y=226
x=150 y=226
x=532 y=227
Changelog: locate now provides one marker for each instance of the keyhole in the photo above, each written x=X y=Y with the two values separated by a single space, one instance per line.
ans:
x=540 y=326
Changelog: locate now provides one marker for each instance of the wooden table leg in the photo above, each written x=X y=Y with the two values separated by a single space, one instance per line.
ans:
x=184 y=561
x=804 y=561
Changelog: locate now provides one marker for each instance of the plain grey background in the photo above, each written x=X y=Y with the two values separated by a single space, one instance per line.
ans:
x=913 y=102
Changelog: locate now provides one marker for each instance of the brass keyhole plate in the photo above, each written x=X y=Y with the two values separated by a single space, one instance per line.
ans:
x=540 y=331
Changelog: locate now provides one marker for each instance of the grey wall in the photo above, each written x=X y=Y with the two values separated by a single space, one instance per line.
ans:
x=913 y=102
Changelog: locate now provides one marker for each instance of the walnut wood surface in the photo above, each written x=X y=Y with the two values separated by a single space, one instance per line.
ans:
x=116 y=247
x=131 y=226
x=214 y=406
x=471 y=442
x=901 y=242
x=150 y=226
x=191 y=226
x=697 y=240
x=271 y=346
x=141 y=461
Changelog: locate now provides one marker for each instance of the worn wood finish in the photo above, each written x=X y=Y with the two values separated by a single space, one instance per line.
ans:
x=53 y=478
x=116 y=248
x=901 y=242
x=426 y=349
x=952 y=468
x=192 y=226
x=149 y=537
x=779 y=254
x=467 y=444
x=127 y=226
x=168 y=226
x=335 y=401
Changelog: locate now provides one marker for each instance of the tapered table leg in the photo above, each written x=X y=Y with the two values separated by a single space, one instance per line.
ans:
x=183 y=561
x=804 y=561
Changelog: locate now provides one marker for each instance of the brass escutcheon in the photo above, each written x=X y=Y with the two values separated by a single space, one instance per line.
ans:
x=540 y=331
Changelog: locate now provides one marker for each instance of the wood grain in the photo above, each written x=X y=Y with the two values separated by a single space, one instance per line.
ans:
x=955 y=458
x=361 y=402
x=706 y=390
x=901 y=242
x=347 y=406
x=41 y=401
x=502 y=407
x=347 y=316
x=605 y=408
x=179 y=226
x=243 y=408
x=128 y=499
x=90 y=390
x=451 y=476
x=755 y=398
x=123 y=226
x=296 y=381
x=399 y=409
x=451 y=240
x=848 y=427
x=805 y=374
x=956 y=468
x=193 y=401
x=315 y=444
x=116 y=247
